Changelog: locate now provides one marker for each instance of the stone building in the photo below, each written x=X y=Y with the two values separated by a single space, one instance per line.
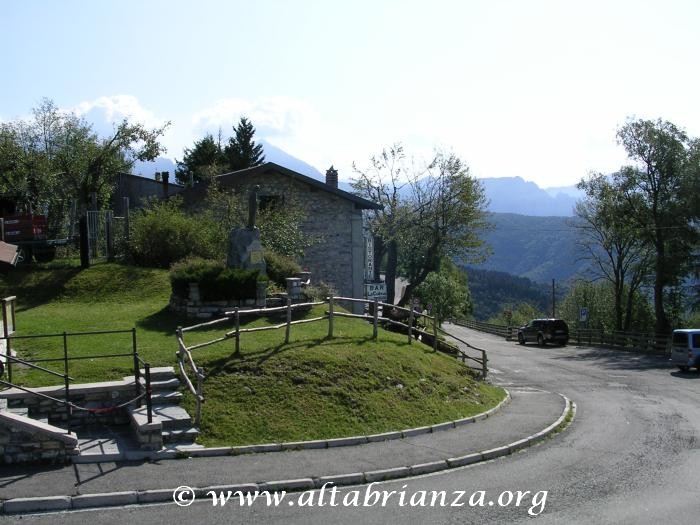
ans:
x=332 y=215
x=139 y=189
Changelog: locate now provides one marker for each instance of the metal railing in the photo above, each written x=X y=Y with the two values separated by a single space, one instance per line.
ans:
x=141 y=391
x=193 y=376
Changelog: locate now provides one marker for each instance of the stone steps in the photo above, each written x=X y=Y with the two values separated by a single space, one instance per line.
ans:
x=180 y=436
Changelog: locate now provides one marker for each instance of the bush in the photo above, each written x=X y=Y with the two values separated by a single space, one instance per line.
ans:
x=319 y=292
x=280 y=267
x=216 y=281
x=162 y=233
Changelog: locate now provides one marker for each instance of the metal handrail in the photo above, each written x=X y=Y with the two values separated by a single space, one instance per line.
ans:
x=66 y=359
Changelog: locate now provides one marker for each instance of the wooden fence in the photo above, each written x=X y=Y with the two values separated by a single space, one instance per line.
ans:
x=193 y=376
x=632 y=341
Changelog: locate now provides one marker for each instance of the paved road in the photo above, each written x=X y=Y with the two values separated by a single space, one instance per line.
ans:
x=629 y=457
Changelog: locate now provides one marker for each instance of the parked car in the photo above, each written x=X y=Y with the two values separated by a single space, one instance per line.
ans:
x=543 y=331
x=685 y=348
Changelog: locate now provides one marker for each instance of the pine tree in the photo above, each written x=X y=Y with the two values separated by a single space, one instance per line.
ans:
x=242 y=152
x=205 y=160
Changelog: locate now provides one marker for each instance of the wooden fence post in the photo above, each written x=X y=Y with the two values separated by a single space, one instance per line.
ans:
x=200 y=389
x=289 y=320
x=435 y=327
x=330 y=316
x=376 y=318
x=237 y=316
x=484 y=367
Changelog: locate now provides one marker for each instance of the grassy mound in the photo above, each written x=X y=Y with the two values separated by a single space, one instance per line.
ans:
x=311 y=388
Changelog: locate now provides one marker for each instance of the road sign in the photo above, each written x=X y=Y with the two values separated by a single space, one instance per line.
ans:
x=583 y=315
x=375 y=291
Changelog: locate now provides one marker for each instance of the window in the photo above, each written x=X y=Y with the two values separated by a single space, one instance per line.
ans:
x=271 y=202
x=680 y=339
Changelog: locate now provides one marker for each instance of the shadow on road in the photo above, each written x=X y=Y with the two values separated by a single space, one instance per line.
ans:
x=618 y=360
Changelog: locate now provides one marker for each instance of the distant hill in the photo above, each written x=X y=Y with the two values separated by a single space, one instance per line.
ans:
x=491 y=291
x=281 y=157
x=539 y=248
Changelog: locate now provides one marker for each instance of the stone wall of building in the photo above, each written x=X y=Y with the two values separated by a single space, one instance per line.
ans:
x=331 y=219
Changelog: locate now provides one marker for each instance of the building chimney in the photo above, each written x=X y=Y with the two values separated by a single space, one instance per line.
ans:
x=332 y=177
x=165 y=175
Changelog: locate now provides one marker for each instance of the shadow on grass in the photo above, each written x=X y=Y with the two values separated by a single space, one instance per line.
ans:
x=164 y=321
x=253 y=360
x=34 y=285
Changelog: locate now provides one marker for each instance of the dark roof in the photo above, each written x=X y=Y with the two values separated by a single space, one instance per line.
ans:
x=171 y=180
x=271 y=166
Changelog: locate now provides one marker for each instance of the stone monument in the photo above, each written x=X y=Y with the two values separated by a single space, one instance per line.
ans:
x=244 y=248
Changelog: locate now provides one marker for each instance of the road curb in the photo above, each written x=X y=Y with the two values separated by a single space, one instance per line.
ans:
x=338 y=442
x=61 y=503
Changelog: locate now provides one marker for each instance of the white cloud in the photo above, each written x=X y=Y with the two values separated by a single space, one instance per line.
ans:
x=289 y=123
x=114 y=108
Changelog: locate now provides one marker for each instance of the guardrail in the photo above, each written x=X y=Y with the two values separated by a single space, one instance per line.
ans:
x=193 y=376
x=632 y=341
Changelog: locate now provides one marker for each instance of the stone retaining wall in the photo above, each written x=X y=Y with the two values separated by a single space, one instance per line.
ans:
x=90 y=395
x=193 y=306
x=23 y=440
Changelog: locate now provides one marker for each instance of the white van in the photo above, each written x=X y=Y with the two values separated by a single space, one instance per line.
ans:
x=685 y=348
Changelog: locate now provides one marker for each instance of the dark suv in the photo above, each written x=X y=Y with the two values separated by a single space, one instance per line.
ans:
x=542 y=331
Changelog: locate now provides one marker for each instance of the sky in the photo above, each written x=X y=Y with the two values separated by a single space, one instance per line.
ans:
x=534 y=88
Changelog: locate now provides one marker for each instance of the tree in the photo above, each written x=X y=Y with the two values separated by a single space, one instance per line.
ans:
x=382 y=183
x=242 y=152
x=439 y=216
x=447 y=213
x=203 y=161
x=611 y=243
x=658 y=191
x=57 y=157
x=447 y=292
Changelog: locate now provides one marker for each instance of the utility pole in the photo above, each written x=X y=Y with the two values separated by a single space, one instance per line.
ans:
x=553 y=301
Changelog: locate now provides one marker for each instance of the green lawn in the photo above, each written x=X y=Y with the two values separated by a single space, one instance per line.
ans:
x=311 y=388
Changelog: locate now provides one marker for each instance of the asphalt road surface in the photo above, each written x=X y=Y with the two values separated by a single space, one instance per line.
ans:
x=630 y=456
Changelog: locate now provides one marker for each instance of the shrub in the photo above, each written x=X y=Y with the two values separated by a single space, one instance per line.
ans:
x=320 y=291
x=216 y=281
x=280 y=267
x=162 y=233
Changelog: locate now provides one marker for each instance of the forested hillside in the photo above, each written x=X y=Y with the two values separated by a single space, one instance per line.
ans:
x=539 y=248
x=492 y=291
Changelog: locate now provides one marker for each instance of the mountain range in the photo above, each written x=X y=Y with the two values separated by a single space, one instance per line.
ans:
x=532 y=236
x=505 y=194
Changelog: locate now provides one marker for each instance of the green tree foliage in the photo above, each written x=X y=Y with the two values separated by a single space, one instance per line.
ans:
x=444 y=219
x=241 y=151
x=611 y=243
x=222 y=211
x=447 y=292
x=660 y=191
x=520 y=315
x=56 y=157
x=281 y=230
x=441 y=216
x=203 y=161
x=599 y=299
